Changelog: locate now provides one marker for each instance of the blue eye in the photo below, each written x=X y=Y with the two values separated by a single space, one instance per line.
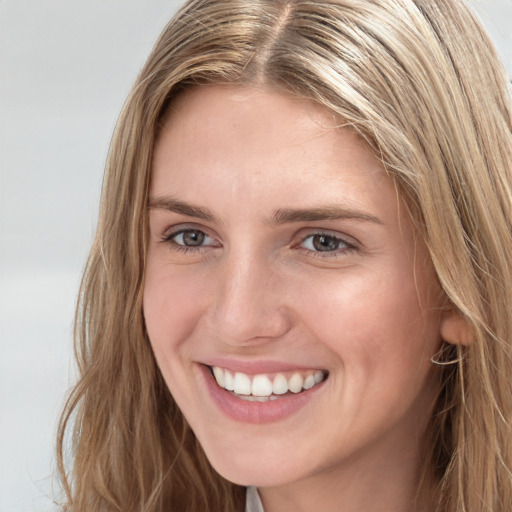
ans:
x=322 y=242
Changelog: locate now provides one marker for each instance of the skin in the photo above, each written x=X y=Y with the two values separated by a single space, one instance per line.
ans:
x=369 y=311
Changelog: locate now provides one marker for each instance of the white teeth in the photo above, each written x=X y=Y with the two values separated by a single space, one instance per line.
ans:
x=228 y=381
x=251 y=398
x=309 y=382
x=242 y=384
x=280 y=385
x=263 y=387
x=295 y=383
x=219 y=375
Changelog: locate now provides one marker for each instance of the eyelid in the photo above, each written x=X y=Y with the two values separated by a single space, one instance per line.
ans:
x=311 y=231
x=349 y=242
x=186 y=226
x=170 y=233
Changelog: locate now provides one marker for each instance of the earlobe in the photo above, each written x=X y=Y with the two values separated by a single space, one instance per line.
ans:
x=455 y=329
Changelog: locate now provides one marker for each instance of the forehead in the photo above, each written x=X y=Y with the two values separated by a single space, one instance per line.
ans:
x=218 y=97
x=236 y=133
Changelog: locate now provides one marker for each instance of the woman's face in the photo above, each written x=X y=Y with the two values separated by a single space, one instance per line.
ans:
x=282 y=260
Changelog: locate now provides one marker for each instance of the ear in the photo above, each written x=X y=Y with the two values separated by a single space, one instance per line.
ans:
x=455 y=329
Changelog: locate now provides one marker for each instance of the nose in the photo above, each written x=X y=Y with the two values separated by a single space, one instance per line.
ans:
x=249 y=304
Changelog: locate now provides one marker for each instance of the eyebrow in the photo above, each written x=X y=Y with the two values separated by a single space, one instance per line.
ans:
x=328 y=212
x=183 y=208
x=279 y=217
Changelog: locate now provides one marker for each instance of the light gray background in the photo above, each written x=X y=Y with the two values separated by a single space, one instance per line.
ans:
x=65 y=69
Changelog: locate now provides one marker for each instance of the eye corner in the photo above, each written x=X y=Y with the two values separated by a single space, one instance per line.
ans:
x=325 y=243
x=189 y=239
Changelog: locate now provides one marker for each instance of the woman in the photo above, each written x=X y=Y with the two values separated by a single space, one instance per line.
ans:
x=301 y=277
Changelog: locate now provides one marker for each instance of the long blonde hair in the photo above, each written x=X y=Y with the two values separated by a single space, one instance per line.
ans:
x=420 y=81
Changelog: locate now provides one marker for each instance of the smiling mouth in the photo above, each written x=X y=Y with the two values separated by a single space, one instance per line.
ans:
x=265 y=387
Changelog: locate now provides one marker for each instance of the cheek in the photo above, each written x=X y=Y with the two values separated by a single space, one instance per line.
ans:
x=172 y=307
x=172 y=303
x=381 y=323
x=382 y=340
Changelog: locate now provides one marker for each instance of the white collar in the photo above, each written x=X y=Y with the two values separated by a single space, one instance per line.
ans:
x=252 y=500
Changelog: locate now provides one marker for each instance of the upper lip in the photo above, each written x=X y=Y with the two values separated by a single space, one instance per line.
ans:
x=258 y=367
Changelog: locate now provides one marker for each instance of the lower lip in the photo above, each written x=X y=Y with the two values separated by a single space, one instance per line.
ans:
x=257 y=412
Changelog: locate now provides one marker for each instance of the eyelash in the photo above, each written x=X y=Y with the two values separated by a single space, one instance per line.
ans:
x=346 y=246
x=170 y=238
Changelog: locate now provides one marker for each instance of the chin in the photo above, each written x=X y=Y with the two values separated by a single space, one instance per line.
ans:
x=258 y=475
x=254 y=465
